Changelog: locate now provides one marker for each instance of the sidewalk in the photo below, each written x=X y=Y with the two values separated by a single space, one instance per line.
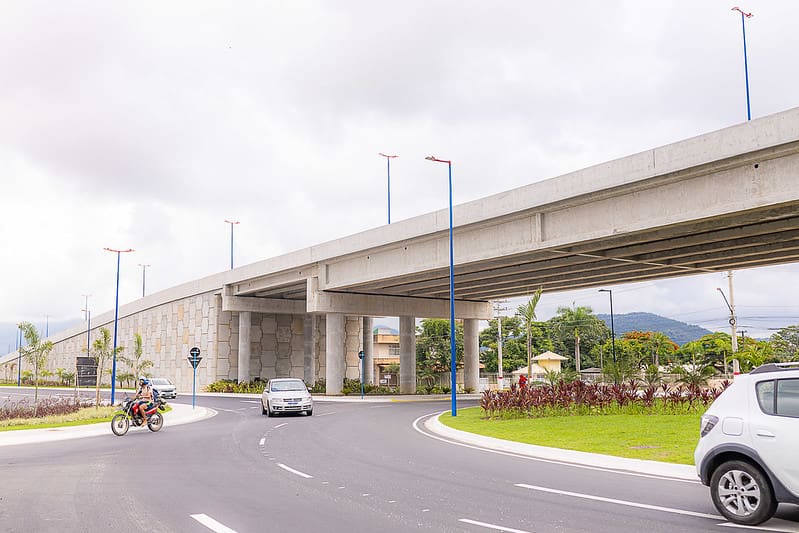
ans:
x=180 y=414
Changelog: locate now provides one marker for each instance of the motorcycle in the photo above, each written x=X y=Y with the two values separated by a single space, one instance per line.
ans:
x=129 y=414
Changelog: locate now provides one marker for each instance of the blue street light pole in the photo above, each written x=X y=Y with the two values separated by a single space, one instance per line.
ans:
x=388 y=171
x=116 y=319
x=453 y=359
x=745 y=16
x=232 y=223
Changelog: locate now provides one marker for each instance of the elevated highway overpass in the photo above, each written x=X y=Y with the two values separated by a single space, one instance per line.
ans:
x=724 y=200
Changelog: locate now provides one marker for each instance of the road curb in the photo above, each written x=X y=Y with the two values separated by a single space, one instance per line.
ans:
x=179 y=415
x=595 y=460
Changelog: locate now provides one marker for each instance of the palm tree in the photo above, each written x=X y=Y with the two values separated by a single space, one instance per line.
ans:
x=136 y=364
x=35 y=353
x=527 y=313
x=102 y=351
x=577 y=320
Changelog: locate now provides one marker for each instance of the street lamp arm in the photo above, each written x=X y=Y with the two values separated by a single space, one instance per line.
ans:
x=739 y=10
x=725 y=300
x=434 y=158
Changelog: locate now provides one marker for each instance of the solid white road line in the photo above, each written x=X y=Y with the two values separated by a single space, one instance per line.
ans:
x=212 y=524
x=250 y=401
x=620 y=502
x=289 y=469
x=540 y=459
x=281 y=425
x=491 y=526
x=777 y=525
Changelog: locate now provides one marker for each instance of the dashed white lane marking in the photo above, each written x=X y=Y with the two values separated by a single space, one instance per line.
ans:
x=261 y=442
x=297 y=472
x=250 y=401
x=327 y=414
x=394 y=501
x=491 y=526
x=212 y=524
x=620 y=502
x=540 y=459
x=281 y=425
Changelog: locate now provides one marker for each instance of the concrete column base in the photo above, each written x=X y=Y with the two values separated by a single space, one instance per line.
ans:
x=407 y=377
x=245 y=334
x=335 y=364
x=471 y=355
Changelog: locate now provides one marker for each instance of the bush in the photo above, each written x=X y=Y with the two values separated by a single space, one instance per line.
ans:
x=580 y=398
x=232 y=385
x=320 y=387
x=47 y=407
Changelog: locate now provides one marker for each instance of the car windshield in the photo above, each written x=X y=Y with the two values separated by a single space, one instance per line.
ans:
x=278 y=386
x=160 y=381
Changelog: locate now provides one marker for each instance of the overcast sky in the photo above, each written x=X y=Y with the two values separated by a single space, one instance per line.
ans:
x=146 y=124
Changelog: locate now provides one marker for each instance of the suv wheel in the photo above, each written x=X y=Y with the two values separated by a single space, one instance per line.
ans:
x=742 y=493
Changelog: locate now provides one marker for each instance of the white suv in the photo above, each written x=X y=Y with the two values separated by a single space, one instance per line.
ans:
x=747 y=448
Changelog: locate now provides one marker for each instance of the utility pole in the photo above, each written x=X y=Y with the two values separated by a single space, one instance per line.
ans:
x=736 y=366
x=498 y=309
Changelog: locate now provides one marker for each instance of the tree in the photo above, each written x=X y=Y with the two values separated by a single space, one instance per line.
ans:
x=136 y=364
x=786 y=343
x=35 y=353
x=526 y=313
x=433 y=345
x=514 y=340
x=102 y=351
x=576 y=328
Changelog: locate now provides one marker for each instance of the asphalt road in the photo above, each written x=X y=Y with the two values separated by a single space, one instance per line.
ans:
x=350 y=467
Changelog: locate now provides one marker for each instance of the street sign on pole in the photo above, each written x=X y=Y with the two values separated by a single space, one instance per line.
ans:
x=360 y=356
x=194 y=358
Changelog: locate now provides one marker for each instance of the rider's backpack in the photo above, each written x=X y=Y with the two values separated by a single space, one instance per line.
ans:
x=155 y=394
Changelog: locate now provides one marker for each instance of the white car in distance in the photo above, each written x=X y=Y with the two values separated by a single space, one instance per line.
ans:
x=286 y=395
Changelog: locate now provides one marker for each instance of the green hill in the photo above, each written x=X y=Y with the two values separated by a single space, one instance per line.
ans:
x=679 y=332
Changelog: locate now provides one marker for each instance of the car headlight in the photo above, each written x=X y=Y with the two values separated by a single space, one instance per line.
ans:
x=707 y=423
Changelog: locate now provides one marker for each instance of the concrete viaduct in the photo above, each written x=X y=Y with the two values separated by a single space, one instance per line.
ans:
x=723 y=200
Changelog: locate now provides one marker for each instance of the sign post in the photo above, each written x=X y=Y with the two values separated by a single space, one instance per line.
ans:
x=360 y=356
x=194 y=358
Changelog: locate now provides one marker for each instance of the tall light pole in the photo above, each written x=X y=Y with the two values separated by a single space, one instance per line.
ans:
x=612 y=332
x=19 y=357
x=232 y=223
x=745 y=16
x=116 y=319
x=388 y=188
x=453 y=358
x=143 y=275
x=46 y=326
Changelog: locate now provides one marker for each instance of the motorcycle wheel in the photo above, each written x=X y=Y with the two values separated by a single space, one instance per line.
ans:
x=155 y=422
x=120 y=424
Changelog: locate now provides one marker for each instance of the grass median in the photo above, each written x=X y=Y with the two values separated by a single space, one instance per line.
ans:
x=88 y=415
x=670 y=438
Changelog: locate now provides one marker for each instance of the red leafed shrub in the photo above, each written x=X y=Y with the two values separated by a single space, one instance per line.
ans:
x=579 y=398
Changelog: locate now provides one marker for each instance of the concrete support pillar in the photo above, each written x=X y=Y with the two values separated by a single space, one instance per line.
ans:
x=407 y=377
x=335 y=364
x=368 y=351
x=471 y=355
x=311 y=337
x=245 y=329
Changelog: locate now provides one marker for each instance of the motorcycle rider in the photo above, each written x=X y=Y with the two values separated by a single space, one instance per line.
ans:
x=145 y=396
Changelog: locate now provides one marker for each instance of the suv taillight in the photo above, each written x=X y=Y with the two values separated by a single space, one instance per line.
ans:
x=707 y=423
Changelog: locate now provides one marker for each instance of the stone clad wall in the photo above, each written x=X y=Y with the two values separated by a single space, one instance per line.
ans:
x=168 y=332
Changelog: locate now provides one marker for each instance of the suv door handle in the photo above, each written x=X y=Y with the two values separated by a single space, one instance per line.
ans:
x=764 y=433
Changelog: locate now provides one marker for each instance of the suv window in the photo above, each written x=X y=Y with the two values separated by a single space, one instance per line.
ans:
x=788 y=397
x=779 y=397
x=765 y=396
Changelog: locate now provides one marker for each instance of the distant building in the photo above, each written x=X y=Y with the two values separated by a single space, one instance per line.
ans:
x=547 y=361
x=386 y=356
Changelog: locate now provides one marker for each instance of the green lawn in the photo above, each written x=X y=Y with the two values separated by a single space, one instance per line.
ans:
x=668 y=438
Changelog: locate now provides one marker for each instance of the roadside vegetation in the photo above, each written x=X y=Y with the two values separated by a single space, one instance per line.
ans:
x=51 y=412
x=669 y=438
